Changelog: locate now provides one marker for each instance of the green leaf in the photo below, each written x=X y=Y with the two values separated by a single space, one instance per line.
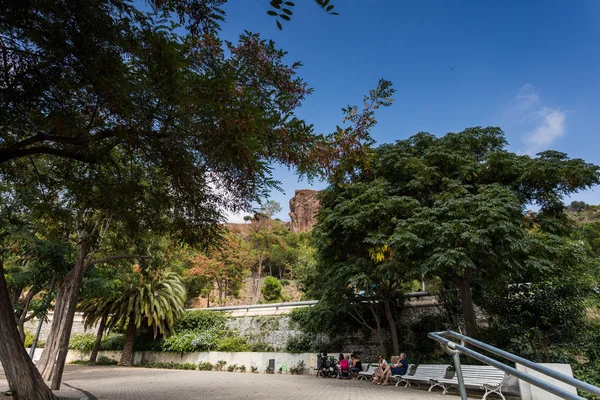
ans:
x=285 y=10
x=329 y=8
x=279 y=25
x=289 y=4
x=285 y=17
x=272 y=13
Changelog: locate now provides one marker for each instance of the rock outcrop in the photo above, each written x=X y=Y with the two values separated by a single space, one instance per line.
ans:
x=303 y=210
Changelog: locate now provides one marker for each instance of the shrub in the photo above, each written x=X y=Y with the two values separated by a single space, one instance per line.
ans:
x=79 y=362
x=220 y=364
x=201 y=320
x=234 y=343
x=83 y=342
x=242 y=368
x=145 y=340
x=297 y=369
x=103 y=360
x=232 y=368
x=205 y=366
x=188 y=366
x=261 y=347
x=299 y=318
x=589 y=373
x=112 y=342
x=28 y=342
x=299 y=344
x=170 y=365
x=272 y=290
x=254 y=370
x=189 y=341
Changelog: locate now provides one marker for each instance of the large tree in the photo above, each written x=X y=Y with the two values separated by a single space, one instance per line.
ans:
x=452 y=207
x=225 y=265
x=108 y=87
x=355 y=263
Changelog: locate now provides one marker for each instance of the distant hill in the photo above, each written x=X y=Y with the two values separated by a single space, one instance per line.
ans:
x=583 y=213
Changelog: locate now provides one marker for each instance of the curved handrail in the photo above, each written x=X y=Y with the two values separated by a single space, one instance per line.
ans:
x=454 y=348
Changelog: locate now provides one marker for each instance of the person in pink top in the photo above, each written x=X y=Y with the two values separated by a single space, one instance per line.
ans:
x=344 y=367
x=344 y=364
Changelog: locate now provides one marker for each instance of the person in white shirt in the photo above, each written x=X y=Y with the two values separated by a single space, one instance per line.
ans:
x=383 y=372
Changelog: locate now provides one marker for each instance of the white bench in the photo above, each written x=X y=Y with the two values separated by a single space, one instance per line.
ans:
x=409 y=372
x=483 y=377
x=424 y=374
x=368 y=373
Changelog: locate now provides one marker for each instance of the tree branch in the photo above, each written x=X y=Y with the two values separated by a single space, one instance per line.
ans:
x=119 y=257
x=7 y=155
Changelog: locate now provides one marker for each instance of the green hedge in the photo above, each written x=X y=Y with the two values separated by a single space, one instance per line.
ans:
x=205 y=366
x=201 y=320
x=83 y=342
x=261 y=347
x=234 y=343
x=190 y=341
x=86 y=342
x=170 y=365
x=300 y=344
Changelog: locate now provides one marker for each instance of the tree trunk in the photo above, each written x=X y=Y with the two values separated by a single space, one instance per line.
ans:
x=546 y=347
x=220 y=293
x=466 y=301
x=23 y=317
x=257 y=284
x=127 y=355
x=98 y=343
x=24 y=380
x=536 y=354
x=392 y=324
x=51 y=363
x=21 y=330
x=378 y=330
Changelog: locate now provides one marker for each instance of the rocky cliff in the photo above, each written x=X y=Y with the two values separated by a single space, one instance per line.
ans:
x=303 y=210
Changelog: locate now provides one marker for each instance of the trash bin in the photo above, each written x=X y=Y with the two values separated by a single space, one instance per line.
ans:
x=271 y=367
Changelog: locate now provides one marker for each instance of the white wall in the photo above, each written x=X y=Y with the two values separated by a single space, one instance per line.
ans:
x=249 y=359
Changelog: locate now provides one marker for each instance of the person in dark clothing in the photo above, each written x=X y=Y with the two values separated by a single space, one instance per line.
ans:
x=400 y=366
x=356 y=365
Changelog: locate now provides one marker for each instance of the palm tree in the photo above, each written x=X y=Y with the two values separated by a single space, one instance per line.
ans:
x=98 y=311
x=153 y=300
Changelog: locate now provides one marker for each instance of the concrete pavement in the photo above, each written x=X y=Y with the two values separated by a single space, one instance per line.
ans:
x=119 y=383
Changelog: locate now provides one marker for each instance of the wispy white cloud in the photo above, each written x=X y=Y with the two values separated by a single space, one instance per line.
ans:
x=551 y=126
x=544 y=124
x=527 y=96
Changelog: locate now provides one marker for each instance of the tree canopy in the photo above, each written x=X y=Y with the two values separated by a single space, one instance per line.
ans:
x=452 y=207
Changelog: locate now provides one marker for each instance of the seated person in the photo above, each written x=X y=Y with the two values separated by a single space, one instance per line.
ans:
x=400 y=365
x=344 y=366
x=356 y=365
x=382 y=373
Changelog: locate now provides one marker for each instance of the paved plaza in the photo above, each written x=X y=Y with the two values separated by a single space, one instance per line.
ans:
x=82 y=382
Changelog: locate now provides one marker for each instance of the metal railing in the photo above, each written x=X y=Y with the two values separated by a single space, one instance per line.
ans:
x=456 y=349
x=292 y=304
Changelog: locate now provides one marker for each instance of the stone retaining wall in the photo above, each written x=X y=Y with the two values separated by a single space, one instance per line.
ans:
x=275 y=330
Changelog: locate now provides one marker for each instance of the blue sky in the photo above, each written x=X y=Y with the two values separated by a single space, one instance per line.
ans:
x=530 y=67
